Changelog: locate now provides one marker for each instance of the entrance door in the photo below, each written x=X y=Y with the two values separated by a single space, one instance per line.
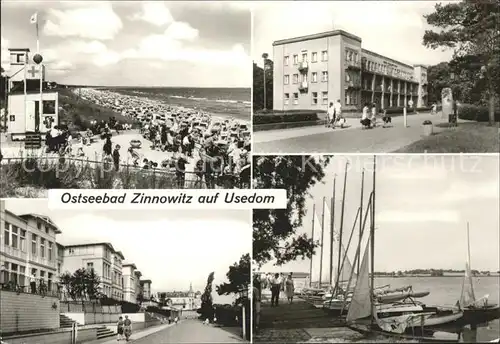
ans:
x=37 y=116
x=30 y=116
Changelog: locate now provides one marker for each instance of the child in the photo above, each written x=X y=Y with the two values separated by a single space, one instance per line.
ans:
x=133 y=156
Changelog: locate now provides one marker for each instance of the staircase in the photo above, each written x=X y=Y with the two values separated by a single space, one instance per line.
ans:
x=104 y=332
x=65 y=322
x=33 y=141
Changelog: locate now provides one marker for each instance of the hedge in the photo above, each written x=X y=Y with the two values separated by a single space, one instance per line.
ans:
x=226 y=314
x=285 y=118
x=129 y=307
x=476 y=113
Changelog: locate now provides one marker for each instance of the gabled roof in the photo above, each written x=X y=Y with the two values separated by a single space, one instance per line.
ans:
x=107 y=244
x=129 y=264
x=146 y=281
x=119 y=253
x=44 y=218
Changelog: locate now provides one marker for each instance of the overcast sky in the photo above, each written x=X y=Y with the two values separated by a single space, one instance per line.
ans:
x=423 y=205
x=204 y=44
x=172 y=248
x=390 y=28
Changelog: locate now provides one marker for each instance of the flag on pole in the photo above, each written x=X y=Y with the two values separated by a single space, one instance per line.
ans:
x=34 y=18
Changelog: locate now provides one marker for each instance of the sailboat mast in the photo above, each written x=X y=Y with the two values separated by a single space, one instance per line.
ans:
x=361 y=213
x=372 y=238
x=322 y=242
x=339 y=267
x=332 y=222
x=312 y=238
x=470 y=268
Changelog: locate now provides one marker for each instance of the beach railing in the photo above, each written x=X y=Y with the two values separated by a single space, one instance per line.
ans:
x=53 y=172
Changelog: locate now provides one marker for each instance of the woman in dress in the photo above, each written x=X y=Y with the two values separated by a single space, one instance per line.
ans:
x=289 y=288
x=119 y=329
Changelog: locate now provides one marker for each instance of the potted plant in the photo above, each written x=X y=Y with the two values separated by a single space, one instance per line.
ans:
x=428 y=128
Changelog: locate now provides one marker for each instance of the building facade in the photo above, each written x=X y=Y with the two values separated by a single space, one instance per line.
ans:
x=183 y=300
x=28 y=250
x=311 y=71
x=129 y=282
x=103 y=259
x=146 y=289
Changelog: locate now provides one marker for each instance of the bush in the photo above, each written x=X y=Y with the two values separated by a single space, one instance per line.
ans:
x=153 y=309
x=427 y=122
x=129 y=307
x=285 y=118
x=226 y=314
x=475 y=113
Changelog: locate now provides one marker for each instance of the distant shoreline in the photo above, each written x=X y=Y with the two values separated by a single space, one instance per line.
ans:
x=447 y=276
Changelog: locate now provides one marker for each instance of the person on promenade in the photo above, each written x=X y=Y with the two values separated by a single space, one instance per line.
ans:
x=289 y=288
x=373 y=117
x=330 y=116
x=338 y=115
x=365 y=121
x=410 y=105
x=256 y=297
x=127 y=328
x=33 y=283
x=275 y=289
x=119 y=328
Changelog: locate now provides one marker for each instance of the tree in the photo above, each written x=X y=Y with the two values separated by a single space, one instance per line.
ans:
x=274 y=230
x=207 y=308
x=238 y=277
x=470 y=27
x=81 y=285
x=258 y=86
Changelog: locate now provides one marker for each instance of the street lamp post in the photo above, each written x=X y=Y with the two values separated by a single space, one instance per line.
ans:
x=265 y=56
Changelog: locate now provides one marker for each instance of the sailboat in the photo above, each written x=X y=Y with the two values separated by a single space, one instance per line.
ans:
x=367 y=316
x=476 y=311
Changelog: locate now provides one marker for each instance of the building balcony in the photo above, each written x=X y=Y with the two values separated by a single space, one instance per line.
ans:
x=42 y=261
x=14 y=252
x=303 y=66
x=353 y=64
x=303 y=86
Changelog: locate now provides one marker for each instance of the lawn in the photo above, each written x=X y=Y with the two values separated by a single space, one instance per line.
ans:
x=469 y=137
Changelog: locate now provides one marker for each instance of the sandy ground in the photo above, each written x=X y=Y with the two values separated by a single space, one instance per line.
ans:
x=93 y=152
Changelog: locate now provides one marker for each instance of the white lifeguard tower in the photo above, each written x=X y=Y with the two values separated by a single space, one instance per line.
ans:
x=32 y=107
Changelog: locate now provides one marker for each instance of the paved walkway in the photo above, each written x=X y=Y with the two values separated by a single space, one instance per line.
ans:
x=319 y=139
x=187 y=331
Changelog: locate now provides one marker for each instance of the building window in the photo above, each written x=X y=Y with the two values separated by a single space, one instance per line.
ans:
x=50 y=251
x=38 y=225
x=46 y=227
x=295 y=98
x=304 y=77
x=15 y=237
x=90 y=266
x=295 y=59
x=22 y=275
x=286 y=79
x=286 y=60
x=324 y=76
x=6 y=236
x=295 y=78
x=356 y=57
x=42 y=247
x=304 y=57
x=5 y=272
x=287 y=98
x=314 y=98
x=12 y=118
x=22 y=240
x=314 y=77
x=324 y=98
x=33 y=244
x=314 y=57
x=324 y=55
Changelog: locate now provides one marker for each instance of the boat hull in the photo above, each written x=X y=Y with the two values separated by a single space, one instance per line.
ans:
x=480 y=315
x=428 y=336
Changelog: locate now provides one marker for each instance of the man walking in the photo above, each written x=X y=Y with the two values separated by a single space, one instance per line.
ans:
x=275 y=289
x=330 y=116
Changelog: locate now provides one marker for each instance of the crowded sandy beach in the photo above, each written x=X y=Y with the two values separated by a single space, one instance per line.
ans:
x=200 y=149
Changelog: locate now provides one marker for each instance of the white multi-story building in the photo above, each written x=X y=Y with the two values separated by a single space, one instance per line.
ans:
x=103 y=258
x=28 y=249
x=131 y=282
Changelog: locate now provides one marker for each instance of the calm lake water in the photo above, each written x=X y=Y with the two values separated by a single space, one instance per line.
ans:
x=445 y=291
